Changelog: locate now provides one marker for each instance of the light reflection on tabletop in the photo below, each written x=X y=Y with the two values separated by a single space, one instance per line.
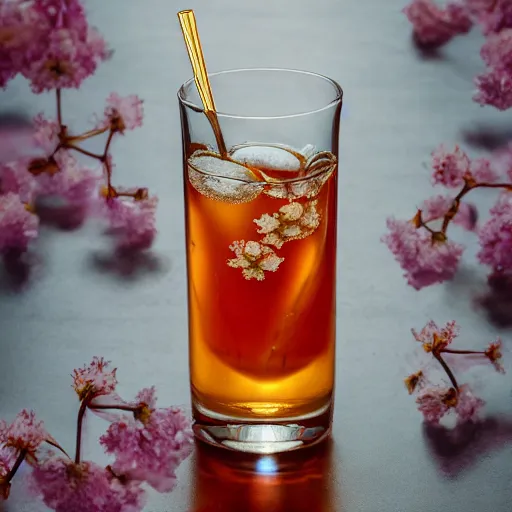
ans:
x=304 y=480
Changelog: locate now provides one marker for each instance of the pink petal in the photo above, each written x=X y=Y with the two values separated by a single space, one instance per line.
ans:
x=450 y=167
x=133 y=222
x=434 y=26
x=495 y=236
x=494 y=89
x=86 y=487
x=18 y=227
x=424 y=263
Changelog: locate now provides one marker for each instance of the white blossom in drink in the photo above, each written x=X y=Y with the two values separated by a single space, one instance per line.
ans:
x=292 y=222
x=254 y=259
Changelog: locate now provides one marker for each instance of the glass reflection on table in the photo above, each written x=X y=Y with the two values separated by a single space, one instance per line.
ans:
x=303 y=480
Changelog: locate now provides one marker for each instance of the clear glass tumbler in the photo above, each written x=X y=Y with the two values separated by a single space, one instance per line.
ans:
x=261 y=257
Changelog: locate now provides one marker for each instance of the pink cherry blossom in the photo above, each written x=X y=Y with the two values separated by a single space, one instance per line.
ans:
x=435 y=402
x=94 y=379
x=68 y=14
x=493 y=353
x=494 y=89
x=132 y=222
x=24 y=433
x=46 y=134
x=495 y=236
x=123 y=113
x=149 y=446
x=483 y=171
x=74 y=182
x=84 y=487
x=425 y=262
x=468 y=405
x=432 y=403
x=15 y=178
x=502 y=161
x=18 y=226
x=437 y=207
x=450 y=167
x=64 y=61
x=434 y=26
x=497 y=50
x=19 y=27
x=434 y=338
x=493 y=15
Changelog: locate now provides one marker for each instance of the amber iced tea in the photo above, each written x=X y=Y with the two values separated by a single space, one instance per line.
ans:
x=261 y=249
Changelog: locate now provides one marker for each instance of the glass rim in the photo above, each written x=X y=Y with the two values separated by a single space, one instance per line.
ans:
x=199 y=108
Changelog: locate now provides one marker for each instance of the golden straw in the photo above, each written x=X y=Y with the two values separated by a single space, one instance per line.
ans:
x=189 y=28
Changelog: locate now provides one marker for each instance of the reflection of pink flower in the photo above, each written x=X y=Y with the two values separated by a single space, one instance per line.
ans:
x=150 y=445
x=24 y=433
x=434 y=26
x=94 y=379
x=425 y=262
x=18 y=226
x=496 y=235
x=123 y=113
x=84 y=487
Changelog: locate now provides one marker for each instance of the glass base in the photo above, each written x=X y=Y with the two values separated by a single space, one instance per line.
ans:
x=261 y=436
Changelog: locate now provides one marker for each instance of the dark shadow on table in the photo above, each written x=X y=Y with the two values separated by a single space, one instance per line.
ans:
x=65 y=218
x=17 y=271
x=497 y=300
x=457 y=450
x=426 y=52
x=301 y=481
x=127 y=264
x=492 y=296
x=487 y=136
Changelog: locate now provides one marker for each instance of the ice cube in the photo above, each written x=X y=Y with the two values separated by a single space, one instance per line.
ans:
x=317 y=171
x=279 y=158
x=222 y=180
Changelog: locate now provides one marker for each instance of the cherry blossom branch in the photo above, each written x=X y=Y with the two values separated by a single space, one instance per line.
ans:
x=466 y=352
x=468 y=186
x=59 y=107
x=58 y=446
x=9 y=476
x=83 y=151
x=424 y=251
x=80 y=419
x=129 y=408
x=63 y=482
x=448 y=371
x=87 y=135
x=434 y=401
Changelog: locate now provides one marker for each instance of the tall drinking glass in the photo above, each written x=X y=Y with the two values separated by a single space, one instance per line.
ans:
x=261 y=257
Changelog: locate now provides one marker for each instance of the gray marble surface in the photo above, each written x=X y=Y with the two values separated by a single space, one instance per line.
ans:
x=398 y=107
